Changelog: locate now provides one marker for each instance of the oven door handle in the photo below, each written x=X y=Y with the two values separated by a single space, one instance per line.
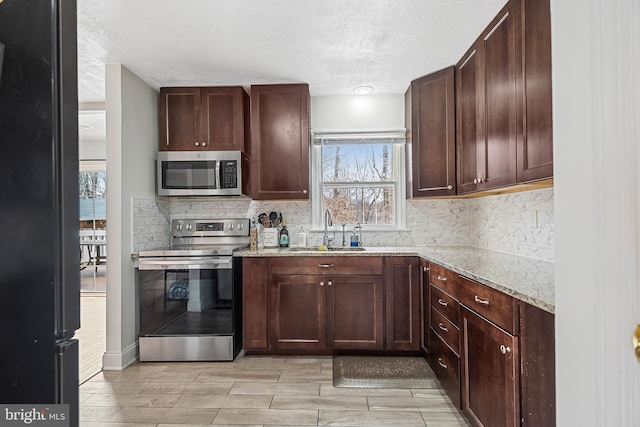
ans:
x=185 y=263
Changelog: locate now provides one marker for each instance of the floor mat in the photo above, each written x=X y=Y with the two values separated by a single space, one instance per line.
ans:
x=382 y=372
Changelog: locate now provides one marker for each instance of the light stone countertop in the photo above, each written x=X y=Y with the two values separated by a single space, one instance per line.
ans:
x=527 y=279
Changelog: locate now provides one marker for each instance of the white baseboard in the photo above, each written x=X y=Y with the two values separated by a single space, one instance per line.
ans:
x=117 y=361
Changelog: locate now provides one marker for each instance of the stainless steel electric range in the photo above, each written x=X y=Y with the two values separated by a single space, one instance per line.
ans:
x=190 y=294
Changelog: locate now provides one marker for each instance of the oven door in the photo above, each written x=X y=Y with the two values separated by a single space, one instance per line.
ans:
x=185 y=263
x=187 y=309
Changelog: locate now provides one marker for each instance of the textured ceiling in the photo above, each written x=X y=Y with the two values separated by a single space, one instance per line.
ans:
x=334 y=45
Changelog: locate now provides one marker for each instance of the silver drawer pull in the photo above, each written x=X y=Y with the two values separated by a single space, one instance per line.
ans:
x=504 y=349
x=330 y=283
x=321 y=283
x=442 y=303
x=443 y=279
x=442 y=327
x=325 y=265
x=441 y=363
x=481 y=301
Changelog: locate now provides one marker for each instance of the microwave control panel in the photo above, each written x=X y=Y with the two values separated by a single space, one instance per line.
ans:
x=229 y=172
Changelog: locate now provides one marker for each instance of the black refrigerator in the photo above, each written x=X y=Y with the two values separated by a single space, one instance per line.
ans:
x=39 y=248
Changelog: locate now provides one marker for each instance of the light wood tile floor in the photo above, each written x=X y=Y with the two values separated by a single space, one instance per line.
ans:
x=91 y=335
x=253 y=391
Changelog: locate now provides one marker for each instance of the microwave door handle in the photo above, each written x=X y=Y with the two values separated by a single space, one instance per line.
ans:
x=218 y=184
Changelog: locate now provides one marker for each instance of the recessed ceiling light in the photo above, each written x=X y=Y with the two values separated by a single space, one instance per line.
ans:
x=363 y=90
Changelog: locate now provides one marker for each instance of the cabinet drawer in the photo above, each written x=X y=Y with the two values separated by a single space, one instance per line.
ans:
x=493 y=305
x=444 y=279
x=446 y=330
x=325 y=265
x=446 y=305
x=446 y=365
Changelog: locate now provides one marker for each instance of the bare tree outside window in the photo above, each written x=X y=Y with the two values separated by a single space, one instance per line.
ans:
x=358 y=183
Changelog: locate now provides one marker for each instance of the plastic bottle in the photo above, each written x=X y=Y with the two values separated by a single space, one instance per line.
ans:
x=302 y=238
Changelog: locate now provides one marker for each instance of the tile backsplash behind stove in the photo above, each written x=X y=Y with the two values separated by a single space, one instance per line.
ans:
x=516 y=223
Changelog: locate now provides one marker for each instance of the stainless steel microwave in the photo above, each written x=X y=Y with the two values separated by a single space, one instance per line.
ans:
x=199 y=173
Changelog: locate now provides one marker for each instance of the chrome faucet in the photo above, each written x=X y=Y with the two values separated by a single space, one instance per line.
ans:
x=328 y=222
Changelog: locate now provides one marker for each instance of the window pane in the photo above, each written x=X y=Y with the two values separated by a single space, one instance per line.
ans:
x=357 y=163
x=366 y=205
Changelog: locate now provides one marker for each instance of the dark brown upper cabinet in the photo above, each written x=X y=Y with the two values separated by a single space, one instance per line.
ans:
x=280 y=142
x=206 y=118
x=430 y=124
x=487 y=112
x=535 y=132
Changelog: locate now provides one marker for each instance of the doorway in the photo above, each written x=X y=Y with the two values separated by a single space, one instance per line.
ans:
x=92 y=202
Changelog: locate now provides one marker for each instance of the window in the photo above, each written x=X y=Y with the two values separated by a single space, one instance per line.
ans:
x=360 y=178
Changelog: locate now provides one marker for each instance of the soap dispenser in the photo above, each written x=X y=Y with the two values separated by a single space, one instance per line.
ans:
x=302 y=238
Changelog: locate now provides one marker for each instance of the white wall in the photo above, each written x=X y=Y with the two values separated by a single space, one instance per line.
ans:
x=357 y=112
x=596 y=69
x=132 y=140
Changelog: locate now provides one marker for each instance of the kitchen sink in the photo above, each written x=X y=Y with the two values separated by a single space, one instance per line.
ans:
x=317 y=248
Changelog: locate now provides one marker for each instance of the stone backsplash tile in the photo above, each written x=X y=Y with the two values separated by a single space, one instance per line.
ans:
x=517 y=223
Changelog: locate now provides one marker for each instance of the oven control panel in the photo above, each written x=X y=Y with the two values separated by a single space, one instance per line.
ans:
x=210 y=227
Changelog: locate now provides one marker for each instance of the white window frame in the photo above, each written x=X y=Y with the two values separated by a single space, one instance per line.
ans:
x=397 y=139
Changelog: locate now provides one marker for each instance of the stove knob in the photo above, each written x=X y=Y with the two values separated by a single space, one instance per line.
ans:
x=231 y=226
x=189 y=227
x=240 y=226
x=179 y=227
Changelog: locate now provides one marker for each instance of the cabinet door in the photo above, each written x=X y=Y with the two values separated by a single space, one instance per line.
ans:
x=487 y=113
x=490 y=376
x=498 y=50
x=180 y=119
x=223 y=117
x=298 y=312
x=432 y=128
x=535 y=141
x=280 y=139
x=469 y=120
x=402 y=286
x=355 y=312
x=254 y=304
x=425 y=312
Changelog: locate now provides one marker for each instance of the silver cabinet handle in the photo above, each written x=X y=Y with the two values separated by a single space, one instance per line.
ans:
x=475 y=180
x=321 y=283
x=441 y=363
x=442 y=327
x=304 y=191
x=480 y=301
x=425 y=268
x=197 y=144
x=325 y=265
x=204 y=144
x=442 y=279
x=449 y=187
x=330 y=283
x=442 y=303
x=504 y=349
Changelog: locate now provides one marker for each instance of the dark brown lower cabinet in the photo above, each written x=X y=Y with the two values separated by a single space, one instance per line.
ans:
x=355 y=313
x=322 y=313
x=298 y=312
x=446 y=365
x=255 y=303
x=490 y=373
x=402 y=283
x=424 y=306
